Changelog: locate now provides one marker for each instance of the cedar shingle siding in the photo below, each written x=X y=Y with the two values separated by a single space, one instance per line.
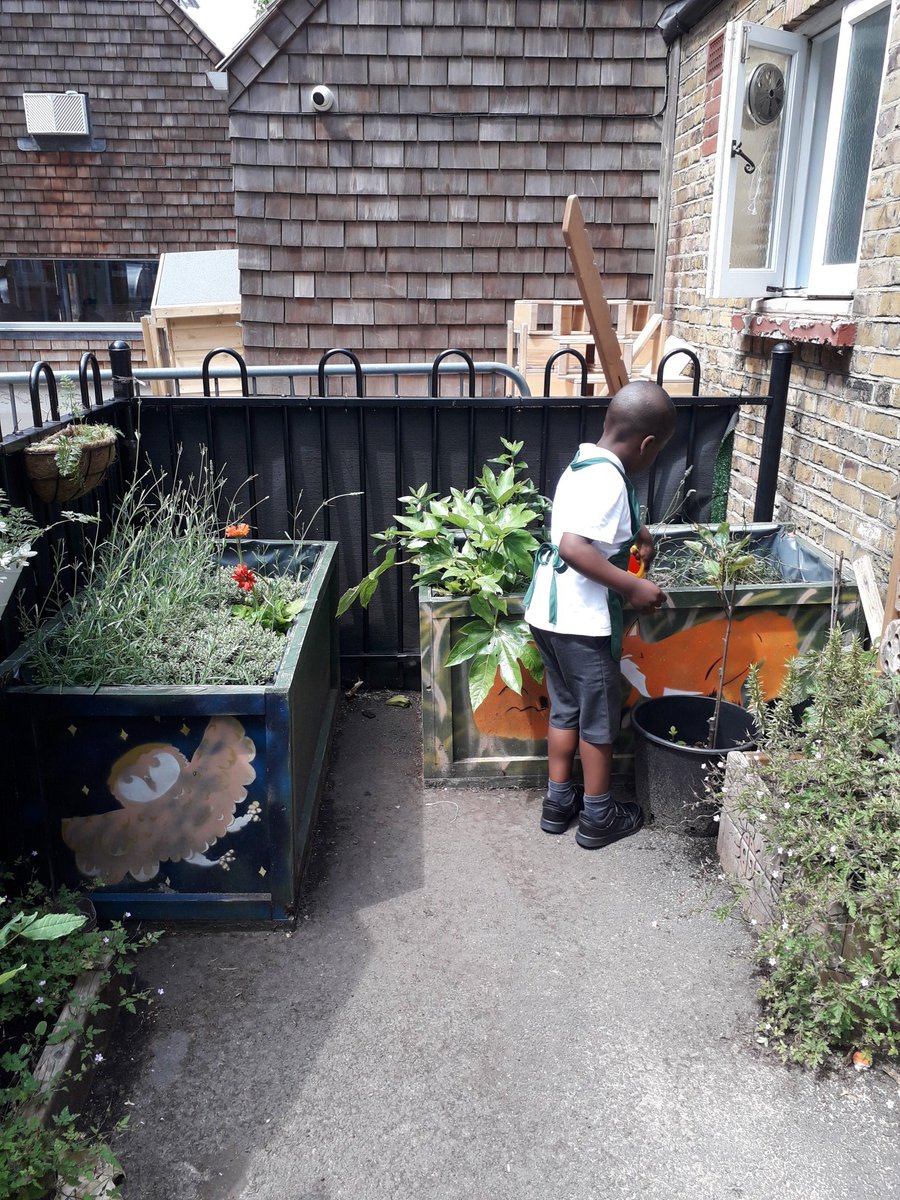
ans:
x=164 y=180
x=412 y=215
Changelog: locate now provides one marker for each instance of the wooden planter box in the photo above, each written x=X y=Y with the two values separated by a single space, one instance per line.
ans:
x=185 y=802
x=674 y=650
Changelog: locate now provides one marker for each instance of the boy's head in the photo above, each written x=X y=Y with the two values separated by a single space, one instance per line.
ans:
x=639 y=421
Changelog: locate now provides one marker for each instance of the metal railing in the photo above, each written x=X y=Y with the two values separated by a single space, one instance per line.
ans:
x=347 y=457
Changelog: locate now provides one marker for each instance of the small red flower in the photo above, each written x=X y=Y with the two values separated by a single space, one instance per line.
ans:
x=244 y=578
x=237 y=531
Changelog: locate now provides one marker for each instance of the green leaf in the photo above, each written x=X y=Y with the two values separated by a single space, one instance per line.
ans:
x=52 y=926
x=473 y=639
x=399 y=701
x=482 y=608
x=348 y=598
x=6 y=975
x=482 y=673
x=532 y=662
x=510 y=671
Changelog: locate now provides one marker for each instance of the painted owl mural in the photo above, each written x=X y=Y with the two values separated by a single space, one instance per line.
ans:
x=173 y=809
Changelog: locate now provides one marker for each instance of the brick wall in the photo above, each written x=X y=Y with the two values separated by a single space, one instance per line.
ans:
x=839 y=466
x=164 y=180
x=412 y=216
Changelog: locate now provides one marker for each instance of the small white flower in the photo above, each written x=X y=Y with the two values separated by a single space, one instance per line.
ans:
x=34 y=854
x=161 y=991
x=98 y=1058
x=753 y=921
x=762 y=818
x=775 y=874
x=773 y=962
x=42 y=983
x=832 y=849
x=126 y=915
x=780 y=850
x=716 y=818
x=106 y=941
x=790 y=854
x=39 y=1000
x=864 y=983
x=787 y=804
x=784 y=924
x=818 y=754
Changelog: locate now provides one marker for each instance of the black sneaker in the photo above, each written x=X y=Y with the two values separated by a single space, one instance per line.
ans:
x=557 y=820
x=622 y=821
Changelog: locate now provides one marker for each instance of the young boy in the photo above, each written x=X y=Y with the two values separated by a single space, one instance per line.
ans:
x=574 y=609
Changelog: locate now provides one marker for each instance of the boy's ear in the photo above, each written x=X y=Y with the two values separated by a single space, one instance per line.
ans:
x=647 y=444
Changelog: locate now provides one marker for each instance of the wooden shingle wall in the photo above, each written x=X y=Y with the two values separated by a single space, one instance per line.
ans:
x=164 y=180
x=411 y=216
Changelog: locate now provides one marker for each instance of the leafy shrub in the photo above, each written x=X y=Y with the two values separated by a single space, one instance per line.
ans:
x=44 y=947
x=477 y=543
x=830 y=810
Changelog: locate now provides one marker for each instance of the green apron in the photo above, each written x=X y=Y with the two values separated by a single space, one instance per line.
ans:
x=548 y=555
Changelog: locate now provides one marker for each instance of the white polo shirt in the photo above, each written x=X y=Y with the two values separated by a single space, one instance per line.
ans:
x=593 y=503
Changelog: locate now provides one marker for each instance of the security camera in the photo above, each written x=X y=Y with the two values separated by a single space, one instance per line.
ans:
x=322 y=98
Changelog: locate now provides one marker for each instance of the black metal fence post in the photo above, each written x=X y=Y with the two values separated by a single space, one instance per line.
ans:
x=122 y=377
x=773 y=431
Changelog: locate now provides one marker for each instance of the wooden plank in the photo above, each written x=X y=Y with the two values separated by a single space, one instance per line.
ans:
x=151 y=350
x=198 y=310
x=590 y=285
x=870 y=596
x=892 y=599
x=647 y=344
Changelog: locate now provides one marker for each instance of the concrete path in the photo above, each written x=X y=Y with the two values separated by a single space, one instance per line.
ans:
x=470 y=1008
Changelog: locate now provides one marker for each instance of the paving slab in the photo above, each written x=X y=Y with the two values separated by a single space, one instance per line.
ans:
x=471 y=1008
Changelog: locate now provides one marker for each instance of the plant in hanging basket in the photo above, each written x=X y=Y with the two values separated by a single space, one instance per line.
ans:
x=71 y=462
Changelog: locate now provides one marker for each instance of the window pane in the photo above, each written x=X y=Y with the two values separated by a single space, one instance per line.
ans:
x=77 y=289
x=851 y=174
x=826 y=48
x=754 y=199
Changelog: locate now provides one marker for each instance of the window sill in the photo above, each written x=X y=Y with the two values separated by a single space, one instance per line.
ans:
x=817 y=322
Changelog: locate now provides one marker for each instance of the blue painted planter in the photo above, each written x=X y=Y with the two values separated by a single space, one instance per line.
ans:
x=185 y=803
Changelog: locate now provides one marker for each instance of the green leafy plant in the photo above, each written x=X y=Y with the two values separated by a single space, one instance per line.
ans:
x=828 y=806
x=155 y=605
x=477 y=543
x=19 y=531
x=723 y=562
x=44 y=948
x=71 y=442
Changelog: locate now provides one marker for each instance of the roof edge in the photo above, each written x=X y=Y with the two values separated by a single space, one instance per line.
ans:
x=681 y=17
x=181 y=18
x=261 y=43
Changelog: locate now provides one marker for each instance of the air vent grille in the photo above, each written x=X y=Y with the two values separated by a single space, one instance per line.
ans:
x=56 y=113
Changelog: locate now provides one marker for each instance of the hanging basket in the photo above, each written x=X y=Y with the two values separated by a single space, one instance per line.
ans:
x=43 y=471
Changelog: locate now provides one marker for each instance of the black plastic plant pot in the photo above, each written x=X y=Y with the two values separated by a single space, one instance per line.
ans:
x=671 y=753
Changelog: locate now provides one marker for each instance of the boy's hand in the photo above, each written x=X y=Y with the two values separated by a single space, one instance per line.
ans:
x=644 y=595
x=646 y=549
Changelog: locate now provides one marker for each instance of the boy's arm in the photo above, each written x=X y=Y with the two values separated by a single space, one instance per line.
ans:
x=584 y=557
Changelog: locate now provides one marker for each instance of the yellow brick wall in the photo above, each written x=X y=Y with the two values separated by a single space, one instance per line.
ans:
x=840 y=460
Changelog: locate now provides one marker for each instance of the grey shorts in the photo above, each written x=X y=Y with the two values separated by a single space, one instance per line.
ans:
x=583 y=683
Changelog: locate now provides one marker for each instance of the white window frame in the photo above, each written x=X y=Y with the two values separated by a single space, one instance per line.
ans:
x=724 y=281
x=839 y=279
